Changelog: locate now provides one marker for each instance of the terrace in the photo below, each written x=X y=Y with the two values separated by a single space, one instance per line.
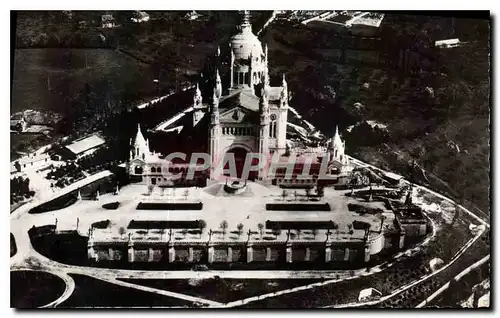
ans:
x=138 y=216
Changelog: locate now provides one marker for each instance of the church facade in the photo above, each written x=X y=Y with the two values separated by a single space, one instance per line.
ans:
x=245 y=116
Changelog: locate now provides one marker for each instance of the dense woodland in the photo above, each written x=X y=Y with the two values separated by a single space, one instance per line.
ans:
x=435 y=103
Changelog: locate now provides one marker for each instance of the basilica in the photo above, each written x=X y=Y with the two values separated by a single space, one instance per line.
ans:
x=244 y=115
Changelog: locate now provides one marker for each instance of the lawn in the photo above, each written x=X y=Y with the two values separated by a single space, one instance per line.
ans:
x=221 y=289
x=91 y=292
x=34 y=289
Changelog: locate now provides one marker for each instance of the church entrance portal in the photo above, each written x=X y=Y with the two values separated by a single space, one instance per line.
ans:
x=240 y=155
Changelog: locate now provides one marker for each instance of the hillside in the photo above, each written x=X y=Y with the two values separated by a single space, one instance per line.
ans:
x=435 y=106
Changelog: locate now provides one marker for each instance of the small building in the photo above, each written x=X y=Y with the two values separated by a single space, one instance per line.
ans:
x=30 y=161
x=411 y=220
x=140 y=17
x=107 y=21
x=193 y=15
x=446 y=44
x=369 y=294
x=17 y=123
x=82 y=147
x=392 y=178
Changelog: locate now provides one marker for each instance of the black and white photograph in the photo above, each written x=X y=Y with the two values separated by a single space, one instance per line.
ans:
x=263 y=159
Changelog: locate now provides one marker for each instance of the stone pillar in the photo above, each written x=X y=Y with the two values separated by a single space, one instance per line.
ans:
x=268 y=254
x=249 y=253
x=328 y=253
x=346 y=254
x=229 y=254
x=367 y=252
x=150 y=254
x=111 y=254
x=289 y=252
x=211 y=253
x=131 y=252
x=90 y=250
x=171 y=254
x=401 y=241
x=308 y=254
x=190 y=254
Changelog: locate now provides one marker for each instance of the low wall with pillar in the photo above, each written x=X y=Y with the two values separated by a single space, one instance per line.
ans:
x=237 y=252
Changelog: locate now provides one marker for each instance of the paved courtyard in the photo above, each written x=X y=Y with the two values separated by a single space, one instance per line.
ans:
x=248 y=209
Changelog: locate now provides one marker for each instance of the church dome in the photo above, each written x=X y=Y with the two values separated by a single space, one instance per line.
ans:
x=245 y=42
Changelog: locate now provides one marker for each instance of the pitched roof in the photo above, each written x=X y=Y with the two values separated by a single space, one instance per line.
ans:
x=241 y=98
x=85 y=144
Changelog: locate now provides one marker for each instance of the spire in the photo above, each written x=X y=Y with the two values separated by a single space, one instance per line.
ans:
x=218 y=84
x=215 y=109
x=263 y=99
x=139 y=138
x=284 y=92
x=218 y=51
x=215 y=99
x=197 y=99
x=265 y=80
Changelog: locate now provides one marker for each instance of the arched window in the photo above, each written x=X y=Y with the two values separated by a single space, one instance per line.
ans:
x=136 y=151
x=138 y=170
x=158 y=169
x=153 y=169
x=272 y=129
x=153 y=181
x=143 y=157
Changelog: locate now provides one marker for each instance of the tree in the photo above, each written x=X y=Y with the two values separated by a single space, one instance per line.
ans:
x=240 y=229
x=367 y=232
x=202 y=225
x=210 y=232
x=349 y=227
x=17 y=165
x=122 y=231
x=223 y=225
x=260 y=226
x=328 y=233
x=336 y=228
x=382 y=219
x=277 y=231
x=314 y=232
x=320 y=191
